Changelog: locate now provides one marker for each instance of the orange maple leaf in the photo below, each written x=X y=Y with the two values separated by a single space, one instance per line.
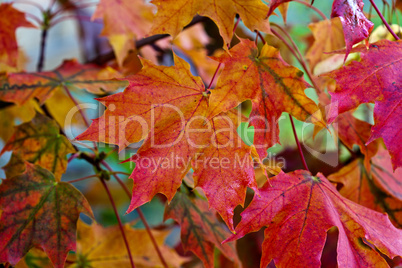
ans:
x=169 y=107
x=173 y=15
x=10 y=20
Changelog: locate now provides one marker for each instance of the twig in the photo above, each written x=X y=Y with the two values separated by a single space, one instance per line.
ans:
x=41 y=59
x=384 y=20
x=102 y=59
x=119 y=221
x=143 y=219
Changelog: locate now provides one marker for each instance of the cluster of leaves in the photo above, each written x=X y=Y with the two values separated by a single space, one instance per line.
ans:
x=199 y=118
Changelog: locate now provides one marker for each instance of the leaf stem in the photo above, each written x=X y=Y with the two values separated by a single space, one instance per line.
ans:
x=122 y=173
x=384 y=20
x=139 y=211
x=76 y=104
x=84 y=118
x=312 y=7
x=298 y=144
x=35 y=18
x=256 y=37
x=72 y=157
x=220 y=63
x=296 y=49
x=214 y=76
x=96 y=175
x=83 y=144
x=84 y=178
x=119 y=221
x=296 y=53
x=144 y=221
x=32 y=3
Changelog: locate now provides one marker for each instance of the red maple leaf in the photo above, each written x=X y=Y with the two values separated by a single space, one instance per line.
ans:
x=298 y=210
x=356 y=27
x=376 y=79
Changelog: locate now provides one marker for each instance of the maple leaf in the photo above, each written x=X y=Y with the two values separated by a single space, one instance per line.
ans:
x=377 y=188
x=13 y=113
x=282 y=5
x=10 y=20
x=192 y=42
x=353 y=131
x=328 y=36
x=124 y=20
x=169 y=107
x=298 y=210
x=356 y=27
x=270 y=83
x=381 y=32
x=61 y=106
x=38 y=142
x=99 y=246
x=201 y=231
x=376 y=78
x=173 y=15
x=21 y=87
x=39 y=211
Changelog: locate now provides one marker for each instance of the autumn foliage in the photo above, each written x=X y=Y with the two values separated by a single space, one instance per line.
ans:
x=213 y=110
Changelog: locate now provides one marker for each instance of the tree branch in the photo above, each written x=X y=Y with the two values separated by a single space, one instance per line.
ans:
x=102 y=59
